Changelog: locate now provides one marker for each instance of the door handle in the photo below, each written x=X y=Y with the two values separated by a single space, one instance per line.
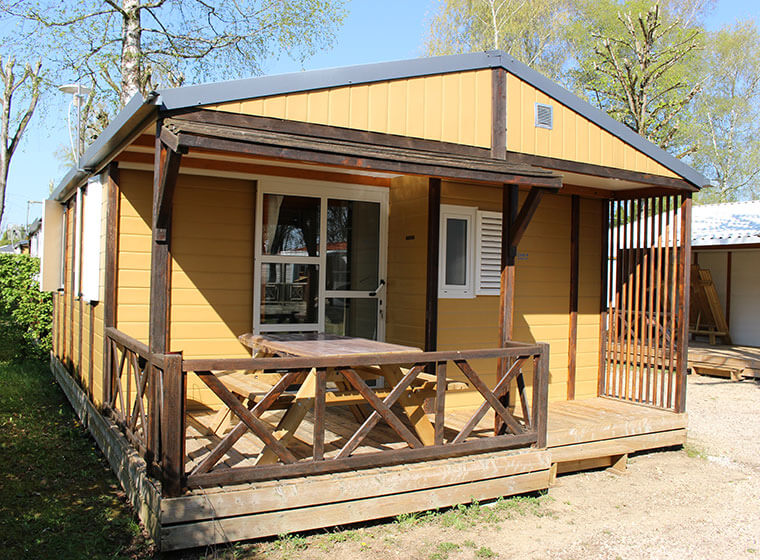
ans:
x=378 y=289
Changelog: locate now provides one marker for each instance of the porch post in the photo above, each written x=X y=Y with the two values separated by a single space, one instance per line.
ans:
x=165 y=172
x=684 y=276
x=605 y=284
x=433 y=243
x=509 y=203
x=113 y=194
x=508 y=253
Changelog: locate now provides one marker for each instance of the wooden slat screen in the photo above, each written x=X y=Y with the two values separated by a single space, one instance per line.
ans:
x=644 y=315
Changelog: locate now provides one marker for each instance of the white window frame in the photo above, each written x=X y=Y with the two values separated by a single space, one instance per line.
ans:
x=323 y=191
x=469 y=214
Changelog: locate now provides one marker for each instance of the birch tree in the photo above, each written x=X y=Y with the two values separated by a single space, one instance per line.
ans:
x=127 y=47
x=725 y=118
x=19 y=88
x=637 y=62
x=530 y=30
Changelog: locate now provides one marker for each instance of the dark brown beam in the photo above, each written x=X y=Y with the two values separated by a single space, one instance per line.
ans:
x=165 y=174
x=684 y=276
x=433 y=244
x=354 y=156
x=111 y=272
x=331 y=132
x=171 y=160
x=499 y=113
x=602 y=171
x=575 y=218
x=527 y=210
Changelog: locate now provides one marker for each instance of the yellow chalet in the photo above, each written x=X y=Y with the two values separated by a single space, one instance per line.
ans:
x=298 y=301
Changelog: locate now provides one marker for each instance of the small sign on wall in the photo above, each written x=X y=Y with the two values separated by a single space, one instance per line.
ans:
x=522 y=256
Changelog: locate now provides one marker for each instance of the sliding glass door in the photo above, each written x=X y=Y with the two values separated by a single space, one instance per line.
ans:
x=321 y=253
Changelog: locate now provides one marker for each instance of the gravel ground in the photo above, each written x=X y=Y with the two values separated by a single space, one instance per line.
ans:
x=702 y=502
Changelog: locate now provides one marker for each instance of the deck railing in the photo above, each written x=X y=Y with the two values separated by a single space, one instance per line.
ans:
x=156 y=422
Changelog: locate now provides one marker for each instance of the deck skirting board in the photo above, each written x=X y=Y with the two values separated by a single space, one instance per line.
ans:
x=326 y=515
x=617 y=446
x=143 y=492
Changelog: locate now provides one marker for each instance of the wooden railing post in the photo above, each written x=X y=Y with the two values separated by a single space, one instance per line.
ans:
x=173 y=425
x=540 y=394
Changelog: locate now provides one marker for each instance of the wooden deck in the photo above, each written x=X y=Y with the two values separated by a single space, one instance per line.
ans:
x=583 y=434
x=731 y=361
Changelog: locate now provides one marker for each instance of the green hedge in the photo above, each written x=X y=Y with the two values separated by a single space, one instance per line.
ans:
x=26 y=314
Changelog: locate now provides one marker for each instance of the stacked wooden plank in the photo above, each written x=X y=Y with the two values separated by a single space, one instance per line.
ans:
x=706 y=313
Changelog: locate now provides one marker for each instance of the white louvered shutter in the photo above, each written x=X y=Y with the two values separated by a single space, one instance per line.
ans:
x=488 y=253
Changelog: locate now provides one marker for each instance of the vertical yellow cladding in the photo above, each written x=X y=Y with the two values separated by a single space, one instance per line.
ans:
x=542 y=291
x=133 y=278
x=452 y=107
x=573 y=137
x=407 y=255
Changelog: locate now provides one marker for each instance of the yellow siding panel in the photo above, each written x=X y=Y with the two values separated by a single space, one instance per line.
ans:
x=592 y=143
x=212 y=275
x=451 y=107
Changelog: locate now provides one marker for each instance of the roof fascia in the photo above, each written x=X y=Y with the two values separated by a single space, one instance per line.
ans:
x=132 y=119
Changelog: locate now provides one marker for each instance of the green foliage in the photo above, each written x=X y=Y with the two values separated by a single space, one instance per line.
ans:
x=725 y=118
x=26 y=314
x=637 y=60
x=532 y=31
x=485 y=552
x=58 y=498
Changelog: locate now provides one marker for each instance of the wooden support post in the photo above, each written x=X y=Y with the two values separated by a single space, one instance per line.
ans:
x=575 y=218
x=541 y=395
x=173 y=426
x=684 y=273
x=509 y=202
x=433 y=243
x=619 y=464
x=113 y=196
x=499 y=113
x=165 y=172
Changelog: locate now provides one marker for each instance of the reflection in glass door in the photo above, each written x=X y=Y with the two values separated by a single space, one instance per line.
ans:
x=322 y=260
x=353 y=291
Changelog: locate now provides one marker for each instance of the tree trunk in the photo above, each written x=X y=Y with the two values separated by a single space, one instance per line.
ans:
x=131 y=62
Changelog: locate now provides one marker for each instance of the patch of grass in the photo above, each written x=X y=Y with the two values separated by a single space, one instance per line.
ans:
x=58 y=498
x=288 y=543
x=343 y=536
x=694 y=452
x=469 y=544
x=442 y=550
x=485 y=552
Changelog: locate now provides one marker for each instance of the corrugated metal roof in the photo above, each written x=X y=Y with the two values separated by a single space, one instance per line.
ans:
x=731 y=223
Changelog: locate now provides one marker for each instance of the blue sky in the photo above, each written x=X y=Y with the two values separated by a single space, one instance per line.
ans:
x=374 y=31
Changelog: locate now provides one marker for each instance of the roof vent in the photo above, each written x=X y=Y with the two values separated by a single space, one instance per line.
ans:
x=544 y=117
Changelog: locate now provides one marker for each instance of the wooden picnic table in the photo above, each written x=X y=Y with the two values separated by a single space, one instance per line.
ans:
x=317 y=345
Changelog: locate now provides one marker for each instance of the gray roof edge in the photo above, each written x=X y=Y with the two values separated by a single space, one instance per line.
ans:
x=725 y=241
x=601 y=118
x=130 y=119
x=262 y=86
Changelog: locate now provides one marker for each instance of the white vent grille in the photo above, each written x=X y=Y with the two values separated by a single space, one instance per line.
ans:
x=544 y=116
x=489 y=253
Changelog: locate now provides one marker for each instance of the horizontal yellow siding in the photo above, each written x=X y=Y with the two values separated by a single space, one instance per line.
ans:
x=133 y=278
x=452 y=107
x=573 y=137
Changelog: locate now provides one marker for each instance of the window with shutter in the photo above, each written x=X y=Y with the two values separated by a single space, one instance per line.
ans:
x=90 y=242
x=488 y=268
